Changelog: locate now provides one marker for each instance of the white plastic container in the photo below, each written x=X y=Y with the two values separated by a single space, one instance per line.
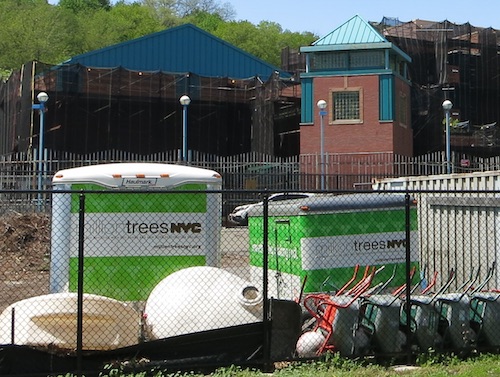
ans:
x=51 y=320
x=201 y=298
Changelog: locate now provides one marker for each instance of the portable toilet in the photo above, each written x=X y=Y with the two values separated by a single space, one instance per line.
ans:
x=142 y=222
x=314 y=243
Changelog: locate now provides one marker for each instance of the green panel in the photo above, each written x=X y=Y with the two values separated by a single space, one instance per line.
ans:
x=285 y=235
x=127 y=278
x=307 y=100
x=386 y=106
x=355 y=223
x=153 y=202
x=318 y=225
x=284 y=244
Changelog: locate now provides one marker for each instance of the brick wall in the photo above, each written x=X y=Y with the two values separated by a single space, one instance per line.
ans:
x=369 y=136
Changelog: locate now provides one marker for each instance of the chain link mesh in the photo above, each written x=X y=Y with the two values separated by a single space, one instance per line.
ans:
x=372 y=273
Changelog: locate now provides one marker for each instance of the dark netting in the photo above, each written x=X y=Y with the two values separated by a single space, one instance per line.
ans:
x=99 y=109
x=456 y=62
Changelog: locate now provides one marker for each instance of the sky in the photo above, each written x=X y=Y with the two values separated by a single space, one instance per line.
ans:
x=322 y=16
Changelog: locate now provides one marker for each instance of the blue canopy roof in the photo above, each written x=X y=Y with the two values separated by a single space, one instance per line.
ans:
x=184 y=48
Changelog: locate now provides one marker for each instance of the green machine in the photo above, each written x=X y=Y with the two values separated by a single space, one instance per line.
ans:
x=315 y=243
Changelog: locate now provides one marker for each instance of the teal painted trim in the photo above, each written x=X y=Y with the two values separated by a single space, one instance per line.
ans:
x=352 y=70
x=307 y=101
x=402 y=78
x=361 y=46
x=401 y=53
x=386 y=105
x=347 y=47
x=345 y=73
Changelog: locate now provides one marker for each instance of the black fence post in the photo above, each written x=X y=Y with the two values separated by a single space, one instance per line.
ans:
x=408 y=274
x=79 y=319
x=265 y=285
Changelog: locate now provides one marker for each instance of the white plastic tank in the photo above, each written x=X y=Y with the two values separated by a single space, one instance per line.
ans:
x=201 y=298
x=51 y=320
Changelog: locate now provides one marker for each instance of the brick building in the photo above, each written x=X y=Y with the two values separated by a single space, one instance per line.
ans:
x=363 y=79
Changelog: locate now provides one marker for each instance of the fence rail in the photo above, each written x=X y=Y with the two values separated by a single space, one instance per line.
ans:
x=253 y=170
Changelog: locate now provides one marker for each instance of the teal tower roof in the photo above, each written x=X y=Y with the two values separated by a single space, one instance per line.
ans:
x=354 y=34
x=354 y=31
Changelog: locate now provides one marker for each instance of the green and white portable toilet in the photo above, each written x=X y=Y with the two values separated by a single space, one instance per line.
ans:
x=135 y=237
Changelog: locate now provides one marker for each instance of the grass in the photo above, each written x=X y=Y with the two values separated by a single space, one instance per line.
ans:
x=334 y=366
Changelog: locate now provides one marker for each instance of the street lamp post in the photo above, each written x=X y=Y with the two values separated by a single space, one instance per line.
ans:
x=322 y=112
x=42 y=99
x=185 y=101
x=447 y=105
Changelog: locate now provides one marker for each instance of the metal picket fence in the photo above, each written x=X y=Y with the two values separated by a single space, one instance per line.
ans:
x=145 y=279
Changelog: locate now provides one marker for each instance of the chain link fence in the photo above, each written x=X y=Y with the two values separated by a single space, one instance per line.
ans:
x=148 y=278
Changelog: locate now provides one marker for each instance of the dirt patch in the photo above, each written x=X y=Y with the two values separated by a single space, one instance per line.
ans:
x=24 y=256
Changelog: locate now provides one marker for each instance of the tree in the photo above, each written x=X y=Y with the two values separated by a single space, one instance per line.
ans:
x=184 y=8
x=265 y=40
x=33 y=30
x=37 y=30
x=163 y=11
x=121 y=23
x=77 y=6
x=210 y=22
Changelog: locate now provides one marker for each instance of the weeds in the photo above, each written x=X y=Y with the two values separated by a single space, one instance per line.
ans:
x=430 y=364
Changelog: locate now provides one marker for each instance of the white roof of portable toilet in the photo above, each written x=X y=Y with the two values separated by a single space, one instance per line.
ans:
x=137 y=175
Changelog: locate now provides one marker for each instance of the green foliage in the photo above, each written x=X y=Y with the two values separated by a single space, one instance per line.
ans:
x=431 y=357
x=265 y=40
x=233 y=371
x=210 y=22
x=184 y=8
x=77 y=6
x=33 y=30
x=38 y=30
x=121 y=23
x=162 y=11
x=4 y=74
x=336 y=366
